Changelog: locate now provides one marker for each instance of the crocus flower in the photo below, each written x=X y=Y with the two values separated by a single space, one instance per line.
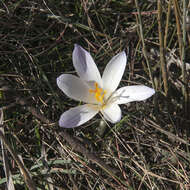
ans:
x=98 y=93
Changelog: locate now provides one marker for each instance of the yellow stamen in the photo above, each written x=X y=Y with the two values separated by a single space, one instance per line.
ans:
x=99 y=93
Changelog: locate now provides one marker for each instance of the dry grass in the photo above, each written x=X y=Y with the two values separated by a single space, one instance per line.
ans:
x=147 y=149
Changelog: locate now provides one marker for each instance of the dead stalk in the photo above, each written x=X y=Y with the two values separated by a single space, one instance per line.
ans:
x=167 y=23
x=162 y=52
x=183 y=56
x=177 y=16
x=143 y=43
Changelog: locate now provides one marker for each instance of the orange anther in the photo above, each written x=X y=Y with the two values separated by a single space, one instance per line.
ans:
x=98 y=93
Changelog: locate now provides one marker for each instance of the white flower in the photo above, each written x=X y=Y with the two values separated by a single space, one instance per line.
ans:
x=98 y=93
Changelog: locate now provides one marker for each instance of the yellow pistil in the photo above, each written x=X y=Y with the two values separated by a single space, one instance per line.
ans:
x=99 y=93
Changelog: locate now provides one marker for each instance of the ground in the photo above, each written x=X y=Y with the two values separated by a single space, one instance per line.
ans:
x=148 y=148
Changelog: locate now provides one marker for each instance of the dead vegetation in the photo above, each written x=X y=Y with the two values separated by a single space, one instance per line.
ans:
x=147 y=149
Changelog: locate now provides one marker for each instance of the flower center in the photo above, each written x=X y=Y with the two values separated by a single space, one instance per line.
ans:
x=99 y=93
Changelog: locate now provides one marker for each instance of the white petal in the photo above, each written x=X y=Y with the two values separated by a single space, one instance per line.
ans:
x=132 y=93
x=75 y=117
x=112 y=113
x=85 y=66
x=75 y=88
x=114 y=71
